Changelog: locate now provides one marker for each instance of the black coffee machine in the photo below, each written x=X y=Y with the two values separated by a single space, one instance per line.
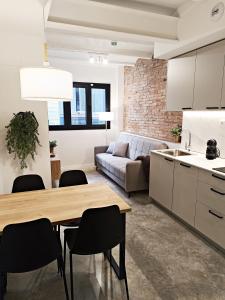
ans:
x=212 y=151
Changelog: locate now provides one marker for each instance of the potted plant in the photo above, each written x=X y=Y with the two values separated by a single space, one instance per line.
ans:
x=22 y=137
x=176 y=132
x=52 y=145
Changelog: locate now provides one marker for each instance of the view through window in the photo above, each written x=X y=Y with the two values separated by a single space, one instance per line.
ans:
x=89 y=99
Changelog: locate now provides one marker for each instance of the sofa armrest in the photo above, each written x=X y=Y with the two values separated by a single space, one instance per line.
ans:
x=135 y=176
x=99 y=149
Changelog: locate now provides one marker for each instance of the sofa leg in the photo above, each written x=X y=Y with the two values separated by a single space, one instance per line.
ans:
x=128 y=194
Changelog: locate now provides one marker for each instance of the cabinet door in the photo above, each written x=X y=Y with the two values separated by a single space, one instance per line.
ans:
x=209 y=76
x=161 y=180
x=184 y=191
x=180 y=82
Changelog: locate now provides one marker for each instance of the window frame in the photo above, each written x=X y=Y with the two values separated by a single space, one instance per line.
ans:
x=67 y=108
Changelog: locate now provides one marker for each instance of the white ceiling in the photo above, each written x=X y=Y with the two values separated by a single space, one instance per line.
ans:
x=166 y=7
x=166 y=3
x=72 y=46
x=80 y=27
x=85 y=26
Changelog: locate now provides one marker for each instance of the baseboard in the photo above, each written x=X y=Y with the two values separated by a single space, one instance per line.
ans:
x=84 y=167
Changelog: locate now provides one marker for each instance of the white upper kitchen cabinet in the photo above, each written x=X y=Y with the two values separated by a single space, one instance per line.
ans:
x=180 y=82
x=209 y=76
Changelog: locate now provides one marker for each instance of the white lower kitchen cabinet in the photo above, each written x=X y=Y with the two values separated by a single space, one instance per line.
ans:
x=211 y=223
x=197 y=196
x=184 y=191
x=161 y=179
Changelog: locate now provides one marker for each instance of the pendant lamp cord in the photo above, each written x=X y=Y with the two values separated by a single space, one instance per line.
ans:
x=45 y=45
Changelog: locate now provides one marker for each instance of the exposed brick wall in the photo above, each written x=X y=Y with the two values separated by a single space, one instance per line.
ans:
x=145 y=100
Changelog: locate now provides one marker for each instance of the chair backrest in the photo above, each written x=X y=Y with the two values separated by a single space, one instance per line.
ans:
x=73 y=177
x=26 y=183
x=28 y=246
x=100 y=230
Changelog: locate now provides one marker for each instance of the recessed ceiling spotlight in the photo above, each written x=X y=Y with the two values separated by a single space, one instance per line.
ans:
x=217 y=11
x=114 y=43
x=98 y=58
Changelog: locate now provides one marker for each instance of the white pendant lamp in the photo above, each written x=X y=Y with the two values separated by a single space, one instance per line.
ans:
x=46 y=83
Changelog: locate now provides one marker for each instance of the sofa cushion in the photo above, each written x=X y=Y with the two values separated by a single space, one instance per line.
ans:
x=114 y=164
x=120 y=149
x=110 y=148
x=140 y=146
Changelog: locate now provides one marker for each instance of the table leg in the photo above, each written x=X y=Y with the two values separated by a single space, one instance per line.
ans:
x=3 y=284
x=119 y=269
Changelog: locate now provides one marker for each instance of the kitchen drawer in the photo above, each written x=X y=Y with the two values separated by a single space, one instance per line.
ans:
x=211 y=196
x=210 y=225
x=212 y=179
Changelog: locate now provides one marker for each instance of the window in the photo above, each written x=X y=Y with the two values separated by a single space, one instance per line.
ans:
x=89 y=99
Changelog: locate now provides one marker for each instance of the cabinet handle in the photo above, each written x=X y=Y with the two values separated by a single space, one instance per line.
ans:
x=215 y=214
x=184 y=165
x=215 y=191
x=222 y=107
x=212 y=107
x=221 y=178
x=185 y=108
x=169 y=159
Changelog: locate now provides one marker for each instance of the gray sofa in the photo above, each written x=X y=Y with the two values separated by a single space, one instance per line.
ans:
x=128 y=172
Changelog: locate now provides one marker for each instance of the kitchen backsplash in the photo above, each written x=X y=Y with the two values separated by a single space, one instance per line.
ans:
x=204 y=125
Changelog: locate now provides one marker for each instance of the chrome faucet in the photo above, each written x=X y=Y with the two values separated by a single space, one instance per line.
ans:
x=187 y=144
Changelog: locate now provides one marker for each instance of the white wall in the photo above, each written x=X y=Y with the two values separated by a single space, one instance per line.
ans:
x=21 y=34
x=204 y=125
x=76 y=148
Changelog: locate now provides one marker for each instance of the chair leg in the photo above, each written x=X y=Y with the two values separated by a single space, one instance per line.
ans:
x=126 y=284
x=5 y=282
x=64 y=277
x=57 y=232
x=2 y=286
x=64 y=253
x=110 y=257
x=71 y=276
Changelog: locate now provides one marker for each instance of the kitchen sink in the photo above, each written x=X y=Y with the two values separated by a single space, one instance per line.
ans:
x=176 y=152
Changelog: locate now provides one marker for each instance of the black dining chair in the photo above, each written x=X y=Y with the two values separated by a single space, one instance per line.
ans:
x=100 y=230
x=71 y=178
x=28 y=246
x=26 y=183
x=31 y=182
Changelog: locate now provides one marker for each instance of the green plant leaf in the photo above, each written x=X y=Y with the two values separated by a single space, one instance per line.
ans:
x=22 y=136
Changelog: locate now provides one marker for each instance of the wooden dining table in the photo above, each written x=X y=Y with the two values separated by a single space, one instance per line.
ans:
x=63 y=205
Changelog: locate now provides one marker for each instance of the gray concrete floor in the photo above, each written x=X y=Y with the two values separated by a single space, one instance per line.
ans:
x=165 y=260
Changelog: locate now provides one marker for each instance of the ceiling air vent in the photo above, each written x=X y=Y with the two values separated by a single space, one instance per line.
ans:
x=217 y=11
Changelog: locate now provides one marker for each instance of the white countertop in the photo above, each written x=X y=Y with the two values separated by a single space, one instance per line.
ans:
x=195 y=159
